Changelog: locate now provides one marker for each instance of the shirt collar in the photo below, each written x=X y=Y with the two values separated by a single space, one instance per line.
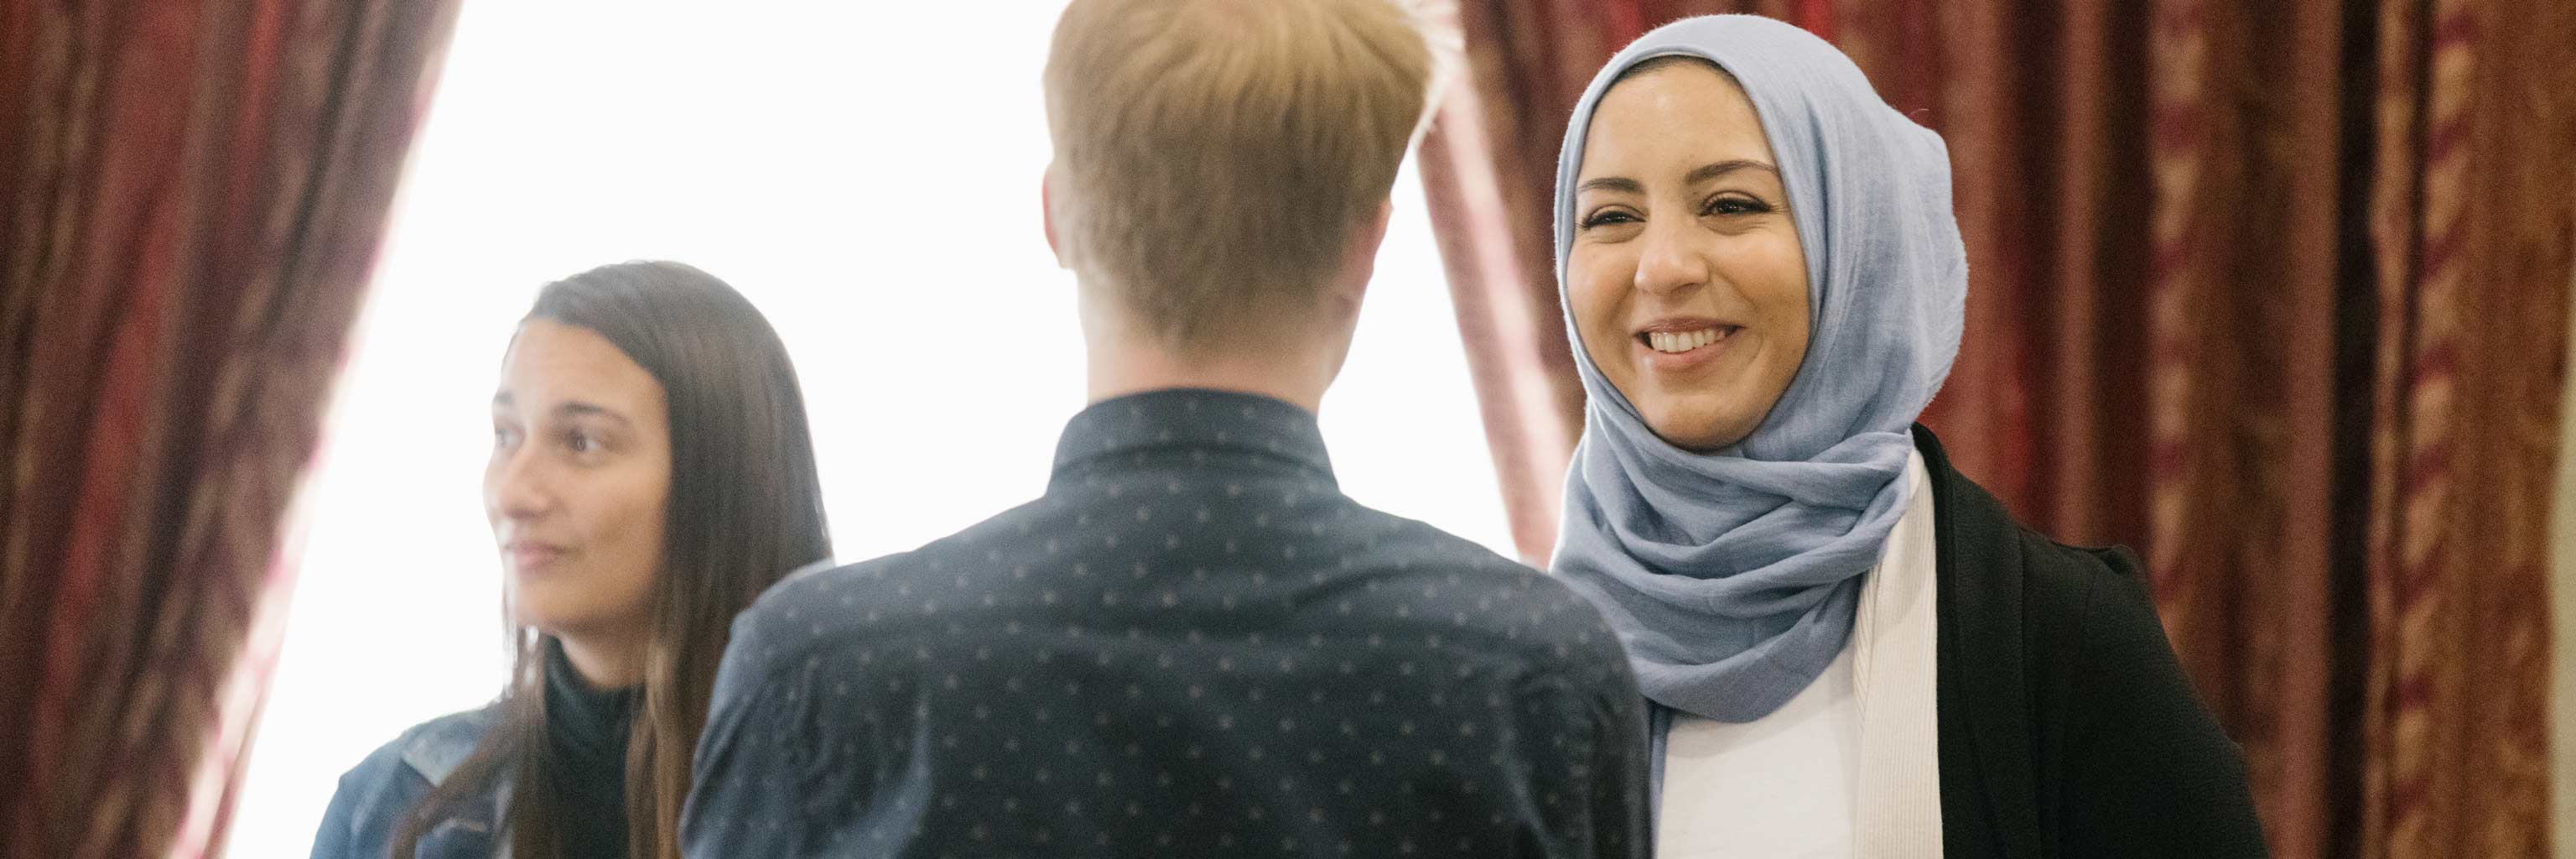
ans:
x=588 y=725
x=1191 y=419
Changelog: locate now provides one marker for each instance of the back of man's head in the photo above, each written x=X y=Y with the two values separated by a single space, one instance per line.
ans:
x=1214 y=159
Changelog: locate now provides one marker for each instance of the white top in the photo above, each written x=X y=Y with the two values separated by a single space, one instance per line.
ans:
x=1849 y=766
x=1784 y=785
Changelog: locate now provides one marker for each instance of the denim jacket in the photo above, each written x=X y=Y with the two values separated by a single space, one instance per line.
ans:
x=375 y=796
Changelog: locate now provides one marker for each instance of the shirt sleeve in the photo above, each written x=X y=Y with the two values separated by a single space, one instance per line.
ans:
x=2154 y=773
x=1621 y=812
x=1586 y=756
x=743 y=779
x=333 y=839
x=807 y=751
x=727 y=770
x=369 y=804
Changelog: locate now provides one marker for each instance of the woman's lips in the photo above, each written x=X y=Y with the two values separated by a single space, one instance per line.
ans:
x=527 y=557
x=1677 y=346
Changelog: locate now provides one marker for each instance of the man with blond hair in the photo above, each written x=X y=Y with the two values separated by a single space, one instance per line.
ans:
x=1193 y=644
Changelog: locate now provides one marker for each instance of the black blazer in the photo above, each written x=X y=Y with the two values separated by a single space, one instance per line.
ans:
x=2067 y=726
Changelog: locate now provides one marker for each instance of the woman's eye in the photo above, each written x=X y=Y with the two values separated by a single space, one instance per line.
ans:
x=581 y=442
x=1732 y=205
x=503 y=437
x=1607 y=217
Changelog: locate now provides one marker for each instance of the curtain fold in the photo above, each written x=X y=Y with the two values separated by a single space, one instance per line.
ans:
x=2273 y=292
x=191 y=194
x=2474 y=137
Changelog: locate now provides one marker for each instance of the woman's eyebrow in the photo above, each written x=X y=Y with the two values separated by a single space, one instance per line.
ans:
x=1707 y=172
x=570 y=409
x=1621 y=184
x=578 y=408
x=1697 y=175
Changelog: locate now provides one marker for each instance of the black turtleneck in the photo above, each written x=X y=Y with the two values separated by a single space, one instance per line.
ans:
x=588 y=727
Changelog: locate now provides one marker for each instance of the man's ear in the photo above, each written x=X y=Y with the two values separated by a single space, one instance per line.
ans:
x=1046 y=214
x=1359 y=258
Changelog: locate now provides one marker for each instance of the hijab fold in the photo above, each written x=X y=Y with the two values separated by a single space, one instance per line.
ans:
x=1732 y=576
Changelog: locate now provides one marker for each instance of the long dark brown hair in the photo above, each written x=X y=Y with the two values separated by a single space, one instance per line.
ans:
x=746 y=507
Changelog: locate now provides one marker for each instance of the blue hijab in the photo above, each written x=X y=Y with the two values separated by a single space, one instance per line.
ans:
x=1732 y=576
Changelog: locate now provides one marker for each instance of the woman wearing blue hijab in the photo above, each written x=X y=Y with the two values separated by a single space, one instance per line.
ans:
x=1853 y=650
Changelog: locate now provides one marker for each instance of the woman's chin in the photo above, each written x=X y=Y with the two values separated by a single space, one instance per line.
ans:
x=1701 y=440
x=555 y=620
x=541 y=622
x=1705 y=429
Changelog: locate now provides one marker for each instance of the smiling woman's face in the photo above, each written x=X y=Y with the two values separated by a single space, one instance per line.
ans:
x=579 y=482
x=1687 y=282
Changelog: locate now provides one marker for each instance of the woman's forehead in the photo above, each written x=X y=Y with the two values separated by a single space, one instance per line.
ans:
x=1687 y=111
x=550 y=363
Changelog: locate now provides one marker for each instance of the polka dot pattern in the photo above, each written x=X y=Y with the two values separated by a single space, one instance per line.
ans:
x=1192 y=645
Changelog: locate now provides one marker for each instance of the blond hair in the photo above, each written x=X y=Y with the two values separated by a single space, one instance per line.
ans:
x=1214 y=158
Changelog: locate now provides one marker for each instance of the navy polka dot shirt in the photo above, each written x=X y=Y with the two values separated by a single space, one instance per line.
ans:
x=1192 y=645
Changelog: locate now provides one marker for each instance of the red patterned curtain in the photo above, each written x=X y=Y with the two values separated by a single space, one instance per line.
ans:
x=2274 y=292
x=191 y=193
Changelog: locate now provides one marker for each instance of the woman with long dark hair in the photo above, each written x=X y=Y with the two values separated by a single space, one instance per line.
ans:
x=651 y=474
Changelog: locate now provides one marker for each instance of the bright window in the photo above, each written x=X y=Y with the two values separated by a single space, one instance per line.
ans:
x=868 y=174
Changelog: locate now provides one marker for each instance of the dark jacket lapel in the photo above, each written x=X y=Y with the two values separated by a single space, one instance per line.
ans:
x=1984 y=695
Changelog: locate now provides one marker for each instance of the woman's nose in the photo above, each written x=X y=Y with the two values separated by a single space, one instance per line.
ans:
x=1668 y=263
x=517 y=488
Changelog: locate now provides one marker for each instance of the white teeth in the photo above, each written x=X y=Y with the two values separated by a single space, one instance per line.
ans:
x=1666 y=341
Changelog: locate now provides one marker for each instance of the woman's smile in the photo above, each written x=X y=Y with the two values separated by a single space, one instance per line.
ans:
x=1679 y=345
